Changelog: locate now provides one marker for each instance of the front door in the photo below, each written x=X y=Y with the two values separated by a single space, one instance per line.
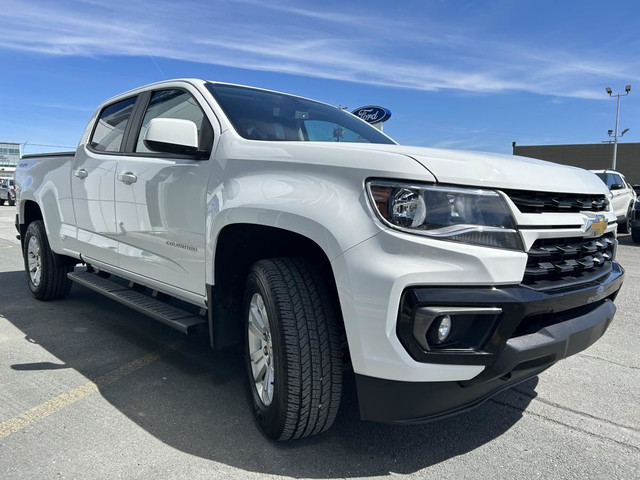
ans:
x=620 y=196
x=161 y=201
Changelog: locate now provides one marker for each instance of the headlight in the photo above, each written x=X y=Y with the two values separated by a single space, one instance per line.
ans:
x=475 y=216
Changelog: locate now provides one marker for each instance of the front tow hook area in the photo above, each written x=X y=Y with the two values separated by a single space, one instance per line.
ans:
x=542 y=349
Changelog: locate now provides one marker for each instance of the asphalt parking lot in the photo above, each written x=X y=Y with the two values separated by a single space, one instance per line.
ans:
x=91 y=389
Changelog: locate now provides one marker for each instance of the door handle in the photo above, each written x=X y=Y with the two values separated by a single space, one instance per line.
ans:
x=81 y=173
x=127 y=178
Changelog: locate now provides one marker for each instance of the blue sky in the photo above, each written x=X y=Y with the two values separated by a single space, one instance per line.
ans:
x=456 y=74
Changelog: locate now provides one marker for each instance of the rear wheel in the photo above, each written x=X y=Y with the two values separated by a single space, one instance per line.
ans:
x=1 y=201
x=635 y=235
x=12 y=202
x=46 y=271
x=293 y=350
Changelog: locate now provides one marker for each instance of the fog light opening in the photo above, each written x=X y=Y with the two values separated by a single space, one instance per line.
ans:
x=444 y=327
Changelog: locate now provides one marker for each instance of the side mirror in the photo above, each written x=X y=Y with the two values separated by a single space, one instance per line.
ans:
x=616 y=186
x=172 y=135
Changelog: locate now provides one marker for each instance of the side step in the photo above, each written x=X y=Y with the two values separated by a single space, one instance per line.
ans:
x=172 y=316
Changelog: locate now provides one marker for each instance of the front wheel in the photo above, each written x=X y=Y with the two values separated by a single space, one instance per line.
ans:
x=46 y=271
x=625 y=227
x=292 y=348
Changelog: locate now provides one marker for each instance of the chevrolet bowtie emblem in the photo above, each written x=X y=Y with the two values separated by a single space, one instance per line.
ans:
x=596 y=226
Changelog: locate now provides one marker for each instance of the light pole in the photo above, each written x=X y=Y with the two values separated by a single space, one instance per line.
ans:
x=627 y=89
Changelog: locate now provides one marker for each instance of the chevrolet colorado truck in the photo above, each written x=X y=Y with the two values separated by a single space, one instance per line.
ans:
x=298 y=230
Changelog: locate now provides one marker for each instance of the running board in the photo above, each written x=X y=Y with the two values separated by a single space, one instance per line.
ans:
x=172 y=316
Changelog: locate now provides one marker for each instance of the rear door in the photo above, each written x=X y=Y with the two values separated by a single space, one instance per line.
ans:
x=161 y=198
x=92 y=181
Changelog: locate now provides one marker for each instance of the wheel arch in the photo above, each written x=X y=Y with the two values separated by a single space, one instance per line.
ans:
x=238 y=246
x=29 y=212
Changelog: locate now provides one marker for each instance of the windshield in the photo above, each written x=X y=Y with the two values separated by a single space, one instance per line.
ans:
x=259 y=115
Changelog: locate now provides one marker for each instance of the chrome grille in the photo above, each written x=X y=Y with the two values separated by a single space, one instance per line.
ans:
x=542 y=202
x=558 y=262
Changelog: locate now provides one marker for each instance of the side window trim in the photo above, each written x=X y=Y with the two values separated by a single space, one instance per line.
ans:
x=121 y=149
x=130 y=134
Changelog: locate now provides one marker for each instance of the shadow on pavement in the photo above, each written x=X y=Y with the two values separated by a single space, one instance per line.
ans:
x=195 y=401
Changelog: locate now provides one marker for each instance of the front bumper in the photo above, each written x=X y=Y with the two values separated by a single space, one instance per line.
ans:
x=534 y=330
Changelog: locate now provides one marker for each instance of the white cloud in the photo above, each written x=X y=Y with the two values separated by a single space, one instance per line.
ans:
x=295 y=40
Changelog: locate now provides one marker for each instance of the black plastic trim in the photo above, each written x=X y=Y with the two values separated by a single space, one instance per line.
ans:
x=548 y=227
x=518 y=303
x=521 y=358
x=389 y=401
x=43 y=155
x=135 y=122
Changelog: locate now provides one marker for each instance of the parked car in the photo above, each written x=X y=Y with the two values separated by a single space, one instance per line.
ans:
x=622 y=197
x=314 y=240
x=7 y=192
x=635 y=224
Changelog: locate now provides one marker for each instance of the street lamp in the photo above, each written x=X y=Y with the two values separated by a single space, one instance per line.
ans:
x=610 y=133
x=627 y=89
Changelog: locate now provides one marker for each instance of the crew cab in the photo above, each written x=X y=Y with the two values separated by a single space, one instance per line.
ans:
x=303 y=233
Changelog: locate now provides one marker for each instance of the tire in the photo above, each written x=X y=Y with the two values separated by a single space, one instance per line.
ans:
x=625 y=227
x=300 y=348
x=635 y=235
x=46 y=271
x=12 y=202
x=1 y=202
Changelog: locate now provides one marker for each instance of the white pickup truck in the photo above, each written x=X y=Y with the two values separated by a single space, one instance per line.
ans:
x=438 y=277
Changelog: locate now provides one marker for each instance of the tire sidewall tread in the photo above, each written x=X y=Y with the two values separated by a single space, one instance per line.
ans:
x=54 y=282
x=307 y=347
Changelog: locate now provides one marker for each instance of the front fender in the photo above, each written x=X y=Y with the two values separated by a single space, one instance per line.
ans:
x=333 y=216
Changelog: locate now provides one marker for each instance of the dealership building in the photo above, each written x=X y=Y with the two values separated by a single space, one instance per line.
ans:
x=10 y=154
x=592 y=156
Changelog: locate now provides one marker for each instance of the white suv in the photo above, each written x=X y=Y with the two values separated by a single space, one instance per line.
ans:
x=622 y=197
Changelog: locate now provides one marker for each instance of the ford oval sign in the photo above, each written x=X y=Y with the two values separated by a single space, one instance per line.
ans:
x=373 y=114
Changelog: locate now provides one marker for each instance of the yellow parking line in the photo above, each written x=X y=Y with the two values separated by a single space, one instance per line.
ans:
x=63 y=400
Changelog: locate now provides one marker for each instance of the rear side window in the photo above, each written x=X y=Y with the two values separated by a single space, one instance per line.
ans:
x=109 y=131
x=176 y=104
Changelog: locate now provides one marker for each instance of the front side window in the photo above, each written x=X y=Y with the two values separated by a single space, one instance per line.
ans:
x=109 y=130
x=260 y=115
x=176 y=104
x=616 y=180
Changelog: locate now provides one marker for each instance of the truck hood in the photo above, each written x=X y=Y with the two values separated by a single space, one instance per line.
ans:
x=482 y=169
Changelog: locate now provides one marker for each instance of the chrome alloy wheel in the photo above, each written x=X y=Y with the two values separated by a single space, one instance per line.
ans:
x=260 y=349
x=34 y=260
